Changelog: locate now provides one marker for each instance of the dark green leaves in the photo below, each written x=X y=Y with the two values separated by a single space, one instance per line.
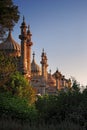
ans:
x=9 y=15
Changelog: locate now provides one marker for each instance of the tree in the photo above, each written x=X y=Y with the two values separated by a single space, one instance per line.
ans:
x=9 y=15
x=12 y=81
x=7 y=67
x=20 y=86
x=75 y=86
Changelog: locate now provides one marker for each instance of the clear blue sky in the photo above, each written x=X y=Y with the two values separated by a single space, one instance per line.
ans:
x=60 y=27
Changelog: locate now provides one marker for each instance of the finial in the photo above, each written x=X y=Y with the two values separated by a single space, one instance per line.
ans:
x=28 y=31
x=57 y=70
x=33 y=55
x=42 y=53
x=50 y=71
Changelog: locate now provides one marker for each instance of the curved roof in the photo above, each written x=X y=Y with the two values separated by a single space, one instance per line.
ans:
x=10 y=44
x=51 y=81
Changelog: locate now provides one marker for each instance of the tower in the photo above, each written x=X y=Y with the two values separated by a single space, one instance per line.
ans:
x=58 y=79
x=23 y=38
x=28 y=51
x=44 y=64
x=35 y=69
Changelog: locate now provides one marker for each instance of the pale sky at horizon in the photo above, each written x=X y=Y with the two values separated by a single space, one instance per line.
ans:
x=60 y=27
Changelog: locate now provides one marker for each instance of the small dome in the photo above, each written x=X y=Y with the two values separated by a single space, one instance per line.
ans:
x=10 y=45
x=35 y=67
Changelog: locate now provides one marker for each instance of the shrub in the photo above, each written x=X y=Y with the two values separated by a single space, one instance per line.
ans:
x=21 y=87
x=16 y=108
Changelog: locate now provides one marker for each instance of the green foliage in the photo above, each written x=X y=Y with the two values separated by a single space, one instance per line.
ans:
x=16 y=82
x=65 y=110
x=68 y=105
x=9 y=15
x=21 y=87
x=7 y=67
x=75 y=86
x=16 y=108
x=12 y=81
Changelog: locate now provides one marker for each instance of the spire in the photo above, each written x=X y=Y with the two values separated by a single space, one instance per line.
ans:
x=44 y=64
x=23 y=38
x=23 y=30
x=43 y=54
x=23 y=21
x=33 y=60
x=29 y=36
x=35 y=69
x=33 y=56
x=57 y=70
x=28 y=31
x=43 y=50
x=50 y=71
x=23 y=24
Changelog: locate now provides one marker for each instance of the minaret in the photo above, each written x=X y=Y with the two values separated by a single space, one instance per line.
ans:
x=28 y=46
x=58 y=79
x=23 y=38
x=44 y=64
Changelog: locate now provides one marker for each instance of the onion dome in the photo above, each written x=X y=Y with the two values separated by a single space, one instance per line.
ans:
x=35 y=69
x=51 y=81
x=10 y=46
x=57 y=75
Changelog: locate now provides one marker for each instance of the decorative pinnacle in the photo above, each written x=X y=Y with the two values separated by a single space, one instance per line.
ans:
x=57 y=70
x=28 y=31
x=50 y=71
x=23 y=23
x=33 y=55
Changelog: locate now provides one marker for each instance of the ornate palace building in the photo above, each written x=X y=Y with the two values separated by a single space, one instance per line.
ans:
x=42 y=80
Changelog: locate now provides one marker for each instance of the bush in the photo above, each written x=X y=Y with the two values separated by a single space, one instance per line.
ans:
x=16 y=108
x=19 y=86
x=69 y=105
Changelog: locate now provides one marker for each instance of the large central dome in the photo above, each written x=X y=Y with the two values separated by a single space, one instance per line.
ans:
x=10 y=46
